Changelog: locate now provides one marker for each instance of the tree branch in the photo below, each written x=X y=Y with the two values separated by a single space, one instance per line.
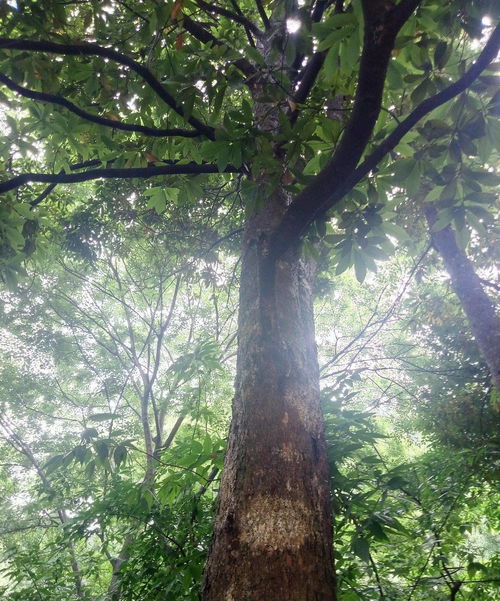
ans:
x=298 y=219
x=41 y=197
x=88 y=49
x=307 y=80
x=307 y=75
x=248 y=31
x=487 y=55
x=61 y=101
x=206 y=37
x=262 y=13
x=382 y=24
x=134 y=12
x=232 y=16
x=110 y=173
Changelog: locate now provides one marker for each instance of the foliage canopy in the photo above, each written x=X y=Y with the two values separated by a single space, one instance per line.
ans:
x=139 y=141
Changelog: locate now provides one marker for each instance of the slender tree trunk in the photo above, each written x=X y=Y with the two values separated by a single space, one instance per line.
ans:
x=478 y=308
x=273 y=531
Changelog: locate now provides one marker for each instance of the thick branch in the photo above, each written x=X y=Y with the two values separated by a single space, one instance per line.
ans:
x=110 y=173
x=320 y=7
x=41 y=197
x=84 y=165
x=308 y=207
x=382 y=24
x=61 y=101
x=86 y=49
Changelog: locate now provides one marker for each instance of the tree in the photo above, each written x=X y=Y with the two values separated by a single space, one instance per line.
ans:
x=410 y=429
x=326 y=116
x=477 y=306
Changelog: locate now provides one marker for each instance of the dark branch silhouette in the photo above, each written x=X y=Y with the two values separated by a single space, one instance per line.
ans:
x=87 y=49
x=229 y=14
x=115 y=124
x=262 y=13
x=205 y=37
x=109 y=173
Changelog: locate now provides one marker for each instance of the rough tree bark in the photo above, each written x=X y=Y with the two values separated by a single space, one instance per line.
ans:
x=478 y=308
x=273 y=537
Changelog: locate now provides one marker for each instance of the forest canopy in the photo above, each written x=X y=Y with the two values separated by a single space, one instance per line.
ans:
x=248 y=337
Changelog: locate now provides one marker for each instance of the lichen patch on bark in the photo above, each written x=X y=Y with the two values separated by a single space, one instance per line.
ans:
x=275 y=523
x=299 y=398
x=289 y=453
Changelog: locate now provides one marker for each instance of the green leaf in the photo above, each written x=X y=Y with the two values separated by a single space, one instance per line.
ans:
x=120 y=454
x=89 y=433
x=444 y=218
x=345 y=258
x=331 y=64
x=396 y=231
x=376 y=530
x=449 y=192
x=396 y=482
x=361 y=547
x=475 y=128
x=102 y=449
x=349 y=53
x=421 y=92
x=102 y=417
x=466 y=144
x=90 y=469
x=359 y=267
x=171 y=194
x=476 y=224
x=255 y=56
x=157 y=199
x=81 y=453
x=402 y=169
x=148 y=497
x=333 y=38
x=440 y=55
x=53 y=464
x=462 y=236
x=474 y=567
x=375 y=252
x=15 y=237
x=487 y=178
x=371 y=459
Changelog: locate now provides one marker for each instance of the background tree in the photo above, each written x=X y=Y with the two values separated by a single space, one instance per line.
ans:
x=324 y=118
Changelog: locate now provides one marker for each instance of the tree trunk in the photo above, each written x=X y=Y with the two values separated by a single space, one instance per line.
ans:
x=273 y=532
x=478 y=308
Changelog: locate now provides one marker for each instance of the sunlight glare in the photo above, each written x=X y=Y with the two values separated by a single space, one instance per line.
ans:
x=293 y=25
